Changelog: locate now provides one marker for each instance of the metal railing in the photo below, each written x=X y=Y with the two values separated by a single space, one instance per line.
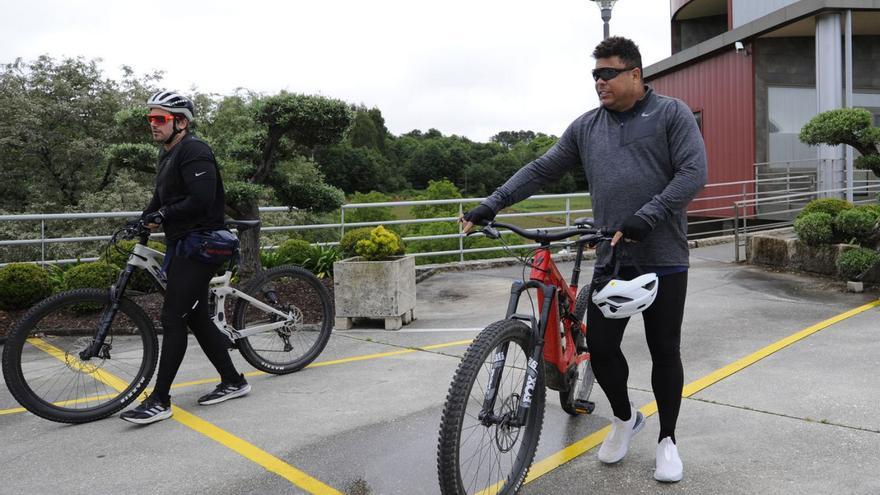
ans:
x=786 y=208
x=720 y=210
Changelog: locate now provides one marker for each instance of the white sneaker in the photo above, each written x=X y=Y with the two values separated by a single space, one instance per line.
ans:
x=669 y=467
x=616 y=444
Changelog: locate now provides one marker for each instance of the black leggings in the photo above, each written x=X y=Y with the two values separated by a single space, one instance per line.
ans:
x=186 y=304
x=663 y=333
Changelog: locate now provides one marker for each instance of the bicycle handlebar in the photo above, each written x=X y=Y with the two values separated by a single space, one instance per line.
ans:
x=545 y=237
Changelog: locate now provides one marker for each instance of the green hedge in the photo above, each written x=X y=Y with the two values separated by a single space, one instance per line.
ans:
x=831 y=206
x=22 y=285
x=815 y=228
x=95 y=275
x=854 y=262
x=856 y=225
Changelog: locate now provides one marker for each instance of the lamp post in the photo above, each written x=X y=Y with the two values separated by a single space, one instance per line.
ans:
x=605 y=6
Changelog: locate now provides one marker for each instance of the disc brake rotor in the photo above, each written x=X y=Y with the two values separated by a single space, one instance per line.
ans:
x=72 y=360
x=506 y=435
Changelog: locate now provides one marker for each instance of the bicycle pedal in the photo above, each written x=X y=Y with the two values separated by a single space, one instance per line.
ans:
x=584 y=406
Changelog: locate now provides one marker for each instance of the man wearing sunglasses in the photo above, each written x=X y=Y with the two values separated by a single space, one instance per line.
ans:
x=189 y=197
x=644 y=161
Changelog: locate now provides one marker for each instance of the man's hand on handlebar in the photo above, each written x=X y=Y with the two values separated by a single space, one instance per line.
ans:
x=477 y=216
x=634 y=228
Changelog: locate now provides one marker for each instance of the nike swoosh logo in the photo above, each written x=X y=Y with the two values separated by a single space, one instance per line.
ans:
x=201 y=173
x=647 y=114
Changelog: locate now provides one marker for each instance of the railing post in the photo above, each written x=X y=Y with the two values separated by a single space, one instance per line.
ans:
x=341 y=222
x=43 y=242
x=460 y=234
x=736 y=230
x=568 y=212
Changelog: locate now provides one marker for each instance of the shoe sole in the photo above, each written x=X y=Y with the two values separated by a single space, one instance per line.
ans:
x=159 y=417
x=640 y=423
x=234 y=395
x=671 y=480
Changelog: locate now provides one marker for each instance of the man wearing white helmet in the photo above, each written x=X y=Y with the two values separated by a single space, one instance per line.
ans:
x=189 y=197
x=644 y=160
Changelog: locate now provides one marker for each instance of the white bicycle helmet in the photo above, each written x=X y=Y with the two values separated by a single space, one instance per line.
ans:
x=173 y=102
x=624 y=298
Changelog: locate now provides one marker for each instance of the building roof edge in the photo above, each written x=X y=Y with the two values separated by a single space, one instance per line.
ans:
x=771 y=21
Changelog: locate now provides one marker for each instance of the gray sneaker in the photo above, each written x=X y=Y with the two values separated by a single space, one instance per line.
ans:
x=225 y=391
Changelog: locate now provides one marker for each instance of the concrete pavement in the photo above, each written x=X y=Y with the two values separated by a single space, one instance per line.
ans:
x=364 y=419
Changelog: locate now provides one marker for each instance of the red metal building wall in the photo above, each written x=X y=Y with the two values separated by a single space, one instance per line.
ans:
x=722 y=88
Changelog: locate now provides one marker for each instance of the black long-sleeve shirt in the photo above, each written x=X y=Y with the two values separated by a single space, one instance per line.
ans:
x=189 y=189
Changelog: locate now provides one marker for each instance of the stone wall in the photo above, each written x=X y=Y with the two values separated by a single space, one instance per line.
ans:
x=782 y=249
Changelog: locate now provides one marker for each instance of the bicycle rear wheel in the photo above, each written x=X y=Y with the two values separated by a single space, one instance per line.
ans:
x=299 y=294
x=474 y=457
x=43 y=368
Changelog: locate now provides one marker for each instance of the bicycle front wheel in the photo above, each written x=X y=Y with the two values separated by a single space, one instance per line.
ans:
x=45 y=373
x=492 y=457
x=300 y=295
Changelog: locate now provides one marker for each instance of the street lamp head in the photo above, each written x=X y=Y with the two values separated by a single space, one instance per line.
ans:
x=605 y=4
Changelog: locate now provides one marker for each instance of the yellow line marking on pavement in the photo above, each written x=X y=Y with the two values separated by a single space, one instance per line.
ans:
x=258 y=373
x=228 y=440
x=253 y=453
x=352 y=359
x=100 y=375
x=587 y=443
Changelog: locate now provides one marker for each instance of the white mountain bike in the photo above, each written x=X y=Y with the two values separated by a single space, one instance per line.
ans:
x=85 y=354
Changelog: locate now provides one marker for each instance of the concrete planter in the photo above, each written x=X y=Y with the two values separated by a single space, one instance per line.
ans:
x=375 y=289
x=783 y=249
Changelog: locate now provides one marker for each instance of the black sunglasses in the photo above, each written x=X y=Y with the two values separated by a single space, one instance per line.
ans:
x=608 y=73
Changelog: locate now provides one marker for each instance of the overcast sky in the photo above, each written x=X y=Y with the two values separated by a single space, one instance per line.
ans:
x=471 y=68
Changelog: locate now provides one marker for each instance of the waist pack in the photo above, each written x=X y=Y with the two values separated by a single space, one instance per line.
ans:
x=210 y=246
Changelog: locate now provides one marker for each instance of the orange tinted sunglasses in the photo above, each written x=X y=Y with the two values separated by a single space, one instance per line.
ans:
x=159 y=119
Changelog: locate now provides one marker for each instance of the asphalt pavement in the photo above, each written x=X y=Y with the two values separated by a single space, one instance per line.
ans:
x=781 y=397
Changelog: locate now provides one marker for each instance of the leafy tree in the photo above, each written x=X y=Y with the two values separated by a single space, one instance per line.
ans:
x=354 y=169
x=510 y=138
x=850 y=126
x=368 y=129
x=374 y=214
x=55 y=118
x=269 y=143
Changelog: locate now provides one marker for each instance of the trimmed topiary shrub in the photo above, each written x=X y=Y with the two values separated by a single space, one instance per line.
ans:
x=814 y=228
x=381 y=245
x=293 y=251
x=22 y=285
x=831 y=206
x=118 y=257
x=95 y=275
x=852 y=263
x=856 y=224
x=350 y=240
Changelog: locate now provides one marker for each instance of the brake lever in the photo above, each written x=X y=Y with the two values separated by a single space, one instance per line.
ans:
x=491 y=232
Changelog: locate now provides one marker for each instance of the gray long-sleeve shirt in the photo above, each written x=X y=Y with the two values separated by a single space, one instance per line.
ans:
x=649 y=161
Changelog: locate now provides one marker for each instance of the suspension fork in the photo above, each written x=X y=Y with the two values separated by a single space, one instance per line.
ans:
x=116 y=291
x=486 y=416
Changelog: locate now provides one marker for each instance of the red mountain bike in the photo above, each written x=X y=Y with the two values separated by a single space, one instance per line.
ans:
x=494 y=410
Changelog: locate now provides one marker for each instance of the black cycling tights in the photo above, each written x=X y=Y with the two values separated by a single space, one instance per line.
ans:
x=663 y=333
x=186 y=304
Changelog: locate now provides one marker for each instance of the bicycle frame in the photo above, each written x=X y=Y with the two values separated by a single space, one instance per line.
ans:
x=150 y=260
x=554 y=348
